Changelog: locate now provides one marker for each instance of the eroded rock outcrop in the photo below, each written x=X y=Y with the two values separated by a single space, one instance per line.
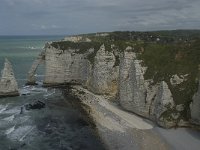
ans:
x=163 y=106
x=176 y=80
x=31 y=80
x=64 y=66
x=141 y=96
x=195 y=108
x=104 y=76
x=132 y=88
x=8 y=84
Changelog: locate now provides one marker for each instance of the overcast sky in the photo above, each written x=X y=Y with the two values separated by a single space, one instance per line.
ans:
x=19 y=17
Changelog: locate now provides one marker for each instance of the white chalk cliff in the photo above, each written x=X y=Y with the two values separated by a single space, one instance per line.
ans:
x=118 y=75
x=195 y=107
x=132 y=90
x=64 y=66
x=8 y=84
x=103 y=76
x=138 y=96
x=31 y=74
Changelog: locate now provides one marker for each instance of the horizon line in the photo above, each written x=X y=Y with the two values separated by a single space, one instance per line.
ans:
x=100 y=32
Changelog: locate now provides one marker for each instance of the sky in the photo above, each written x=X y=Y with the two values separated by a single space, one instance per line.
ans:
x=55 y=17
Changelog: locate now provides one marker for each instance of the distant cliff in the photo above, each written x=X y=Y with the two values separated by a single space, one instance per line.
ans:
x=153 y=74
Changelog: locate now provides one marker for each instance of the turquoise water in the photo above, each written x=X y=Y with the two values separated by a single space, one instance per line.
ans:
x=21 y=51
x=58 y=126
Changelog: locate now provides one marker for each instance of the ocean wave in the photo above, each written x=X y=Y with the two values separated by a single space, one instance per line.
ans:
x=10 y=118
x=10 y=130
x=26 y=90
x=31 y=47
x=3 y=108
x=20 y=133
x=23 y=119
x=22 y=138
x=40 y=83
x=14 y=110
x=38 y=89
x=50 y=92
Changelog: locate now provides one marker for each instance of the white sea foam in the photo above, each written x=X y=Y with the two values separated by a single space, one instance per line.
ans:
x=31 y=47
x=3 y=108
x=38 y=89
x=10 y=118
x=27 y=86
x=14 y=110
x=22 y=138
x=34 y=89
x=10 y=130
x=23 y=119
x=24 y=91
x=49 y=93
x=20 y=133
x=39 y=83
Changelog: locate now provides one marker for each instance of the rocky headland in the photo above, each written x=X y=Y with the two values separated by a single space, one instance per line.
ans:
x=120 y=75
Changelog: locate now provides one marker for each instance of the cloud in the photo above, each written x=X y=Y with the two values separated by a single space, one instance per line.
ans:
x=81 y=16
x=45 y=27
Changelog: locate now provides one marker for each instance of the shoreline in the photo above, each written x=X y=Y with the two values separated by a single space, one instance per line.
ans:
x=77 y=104
x=118 y=131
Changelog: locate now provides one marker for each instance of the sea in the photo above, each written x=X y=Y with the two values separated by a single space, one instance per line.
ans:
x=59 y=125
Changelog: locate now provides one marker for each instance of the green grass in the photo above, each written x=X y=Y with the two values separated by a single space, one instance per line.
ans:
x=165 y=60
x=82 y=47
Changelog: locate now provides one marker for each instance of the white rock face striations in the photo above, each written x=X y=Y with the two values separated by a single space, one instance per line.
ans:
x=132 y=89
x=164 y=103
x=8 y=84
x=64 y=66
x=195 y=108
x=104 y=76
x=139 y=96
x=70 y=66
x=31 y=74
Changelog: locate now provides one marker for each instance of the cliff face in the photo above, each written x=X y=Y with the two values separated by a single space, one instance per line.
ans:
x=143 y=80
x=64 y=66
x=138 y=96
x=8 y=84
x=195 y=105
x=132 y=89
x=70 y=66
x=163 y=106
x=103 y=75
x=31 y=80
